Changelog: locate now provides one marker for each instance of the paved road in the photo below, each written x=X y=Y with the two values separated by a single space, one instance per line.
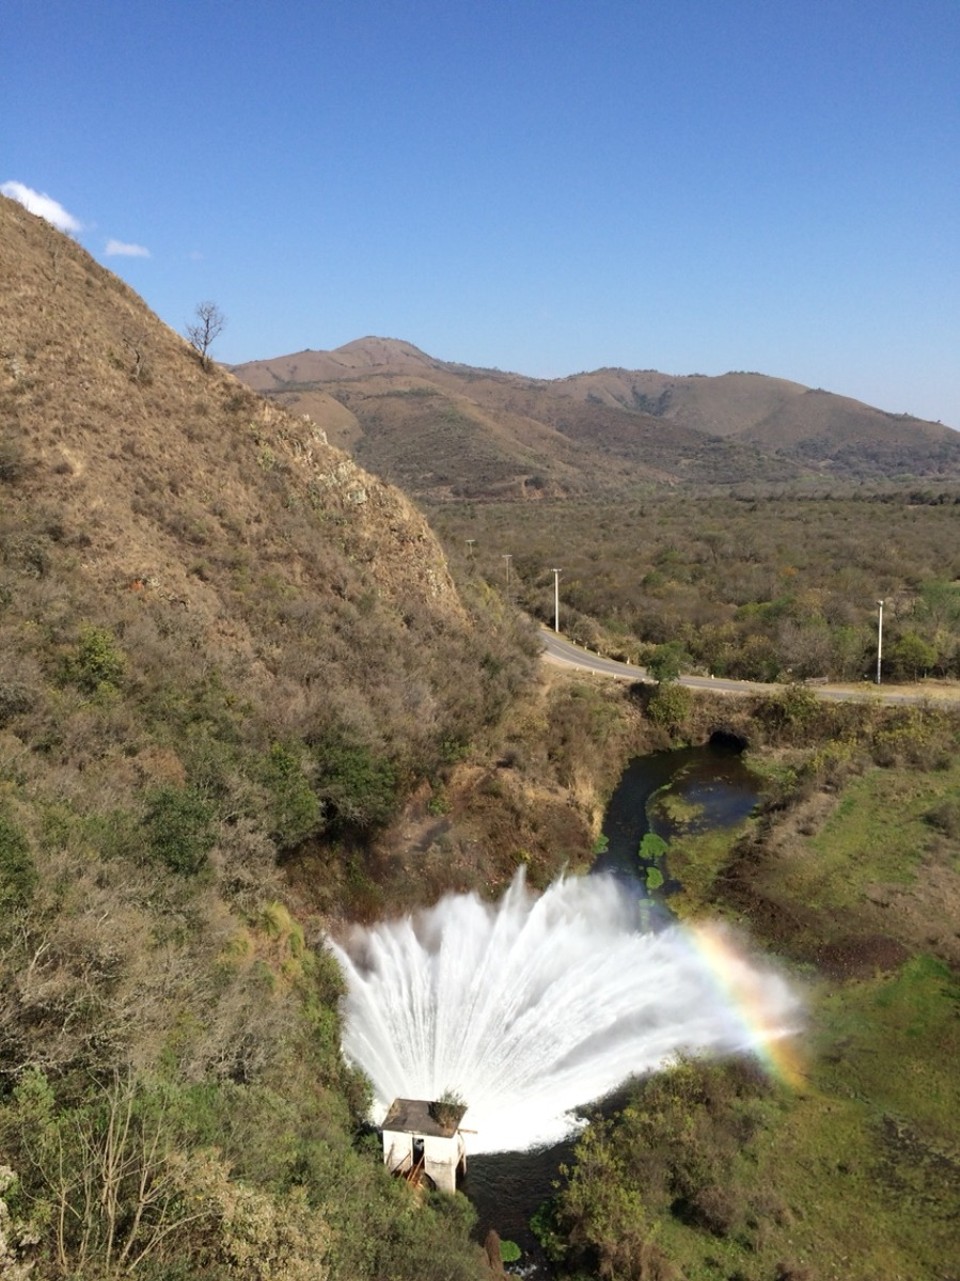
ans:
x=558 y=650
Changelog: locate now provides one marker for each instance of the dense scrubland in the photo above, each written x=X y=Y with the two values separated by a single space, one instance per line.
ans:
x=760 y=587
x=243 y=701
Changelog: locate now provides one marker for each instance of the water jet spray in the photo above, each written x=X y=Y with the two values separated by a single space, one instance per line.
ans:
x=537 y=1005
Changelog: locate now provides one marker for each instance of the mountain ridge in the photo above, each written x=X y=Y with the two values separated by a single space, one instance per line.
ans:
x=606 y=429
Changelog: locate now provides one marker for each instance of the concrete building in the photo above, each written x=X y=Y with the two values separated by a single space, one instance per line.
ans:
x=422 y=1137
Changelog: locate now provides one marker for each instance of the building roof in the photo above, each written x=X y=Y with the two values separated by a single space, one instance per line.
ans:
x=436 y=1119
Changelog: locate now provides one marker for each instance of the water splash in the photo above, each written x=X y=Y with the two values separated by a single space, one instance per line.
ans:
x=539 y=1004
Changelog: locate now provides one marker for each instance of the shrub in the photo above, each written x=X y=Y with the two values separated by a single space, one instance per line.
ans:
x=916 y=737
x=911 y=657
x=294 y=807
x=448 y=1109
x=18 y=876
x=359 y=787
x=15 y=698
x=669 y=706
x=666 y=662
x=96 y=660
x=13 y=463
x=945 y=817
x=715 y=1207
x=179 y=826
x=125 y=1195
x=795 y=706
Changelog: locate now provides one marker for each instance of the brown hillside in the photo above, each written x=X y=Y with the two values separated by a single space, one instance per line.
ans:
x=724 y=406
x=443 y=430
x=842 y=435
x=146 y=455
x=228 y=658
x=186 y=515
x=834 y=434
x=354 y=360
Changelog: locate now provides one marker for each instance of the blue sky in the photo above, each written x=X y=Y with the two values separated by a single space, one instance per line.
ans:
x=538 y=185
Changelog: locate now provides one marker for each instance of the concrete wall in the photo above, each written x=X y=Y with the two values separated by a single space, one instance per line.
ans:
x=397 y=1151
x=441 y=1157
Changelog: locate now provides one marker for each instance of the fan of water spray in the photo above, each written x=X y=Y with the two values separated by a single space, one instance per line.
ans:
x=541 y=1003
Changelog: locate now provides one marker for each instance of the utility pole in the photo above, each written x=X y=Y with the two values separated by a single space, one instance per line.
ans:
x=471 y=543
x=556 y=600
x=879 y=639
x=507 y=558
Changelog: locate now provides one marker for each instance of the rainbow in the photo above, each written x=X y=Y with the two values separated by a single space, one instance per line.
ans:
x=744 y=989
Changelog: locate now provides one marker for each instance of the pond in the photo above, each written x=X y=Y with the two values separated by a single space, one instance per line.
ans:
x=692 y=789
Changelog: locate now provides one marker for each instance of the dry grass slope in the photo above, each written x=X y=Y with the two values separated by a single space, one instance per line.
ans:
x=222 y=644
x=147 y=455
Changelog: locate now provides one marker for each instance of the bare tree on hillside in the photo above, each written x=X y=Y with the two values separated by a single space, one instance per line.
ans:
x=209 y=325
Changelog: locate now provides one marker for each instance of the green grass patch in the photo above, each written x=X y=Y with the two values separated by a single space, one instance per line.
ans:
x=896 y=1041
x=877 y=833
x=652 y=846
x=858 y=1174
x=696 y=859
x=870 y=1157
x=510 y=1252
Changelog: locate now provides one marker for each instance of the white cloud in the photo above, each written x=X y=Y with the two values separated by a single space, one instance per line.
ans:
x=120 y=249
x=42 y=205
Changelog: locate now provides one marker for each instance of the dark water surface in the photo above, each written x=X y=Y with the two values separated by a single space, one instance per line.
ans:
x=717 y=791
x=712 y=782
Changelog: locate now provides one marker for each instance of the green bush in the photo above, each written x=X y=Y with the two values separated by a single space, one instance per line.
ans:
x=668 y=1155
x=179 y=827
x=359 y=788
x=652 y=846
x=911 y=657
x=669 y=706
x=667 y=662
x=294 y=806
x=95 y=660
x=793 y=710
x=654 y=878
x=18 y=875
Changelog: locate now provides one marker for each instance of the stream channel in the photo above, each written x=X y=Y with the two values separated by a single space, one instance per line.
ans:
x=709 y=787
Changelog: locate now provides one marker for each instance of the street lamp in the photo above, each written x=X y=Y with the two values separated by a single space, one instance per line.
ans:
x=556 y=600
x=879 y=639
